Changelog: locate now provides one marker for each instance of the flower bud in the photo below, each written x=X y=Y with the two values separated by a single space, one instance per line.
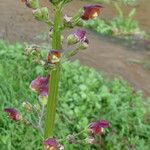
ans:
x=41 y=14
x=97 y=127
x=77 y=36
x=34 y=4
x=68 y=22
x=90 y=140
x=13 y=114
x=27 y=106
x=43 y=99
x=71 y=139
x=40 y=85
x=54 y=56
x=51 y=144
x=82 y=45
x=71 y=39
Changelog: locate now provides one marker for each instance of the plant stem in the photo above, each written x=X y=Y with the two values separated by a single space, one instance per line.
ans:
x=54 y=79
x=56 y=41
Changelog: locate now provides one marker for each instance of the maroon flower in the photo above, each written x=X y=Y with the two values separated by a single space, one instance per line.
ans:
x=77 y=36
x=13 y=114
x=80 y=35
x=54 y=56
x=97 y=127
x=40 y=85
x=91 y=11
x=51 y=144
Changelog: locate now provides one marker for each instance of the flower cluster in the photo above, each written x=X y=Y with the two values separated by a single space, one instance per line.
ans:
x=95 y=129
x=79 y=36
x=41 y=85
x=39 y=13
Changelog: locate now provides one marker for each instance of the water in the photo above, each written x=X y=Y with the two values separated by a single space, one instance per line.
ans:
x=109 y=55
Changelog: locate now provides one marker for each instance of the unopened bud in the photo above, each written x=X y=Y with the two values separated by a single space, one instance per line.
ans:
x=41 y=14
x=71 y=39
x=71 y=139
x=68 y=22
x=13 y=114
x=43 y=100
x=82 y=45
x=27 y=106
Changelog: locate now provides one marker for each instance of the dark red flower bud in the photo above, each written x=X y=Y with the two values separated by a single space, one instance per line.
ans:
x=13 y=114
x=40 y=85
x=51 y=144
x=91 y=11
x=97 y=127
x=94 y=128
x=54 y=56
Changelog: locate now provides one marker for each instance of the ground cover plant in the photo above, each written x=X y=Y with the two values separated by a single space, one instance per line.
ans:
x=125 y=108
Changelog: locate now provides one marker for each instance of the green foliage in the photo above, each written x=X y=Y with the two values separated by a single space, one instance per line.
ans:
x=85 y=96
x=120 y=26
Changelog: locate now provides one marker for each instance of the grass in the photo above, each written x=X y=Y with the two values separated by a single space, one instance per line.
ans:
x=85 y=96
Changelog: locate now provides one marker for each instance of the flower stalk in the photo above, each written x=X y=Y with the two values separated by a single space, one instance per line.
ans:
x=47 y=87
x=54 y=79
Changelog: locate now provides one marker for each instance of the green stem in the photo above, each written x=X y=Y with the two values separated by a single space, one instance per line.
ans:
x=56 y=41
x=54 y=80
